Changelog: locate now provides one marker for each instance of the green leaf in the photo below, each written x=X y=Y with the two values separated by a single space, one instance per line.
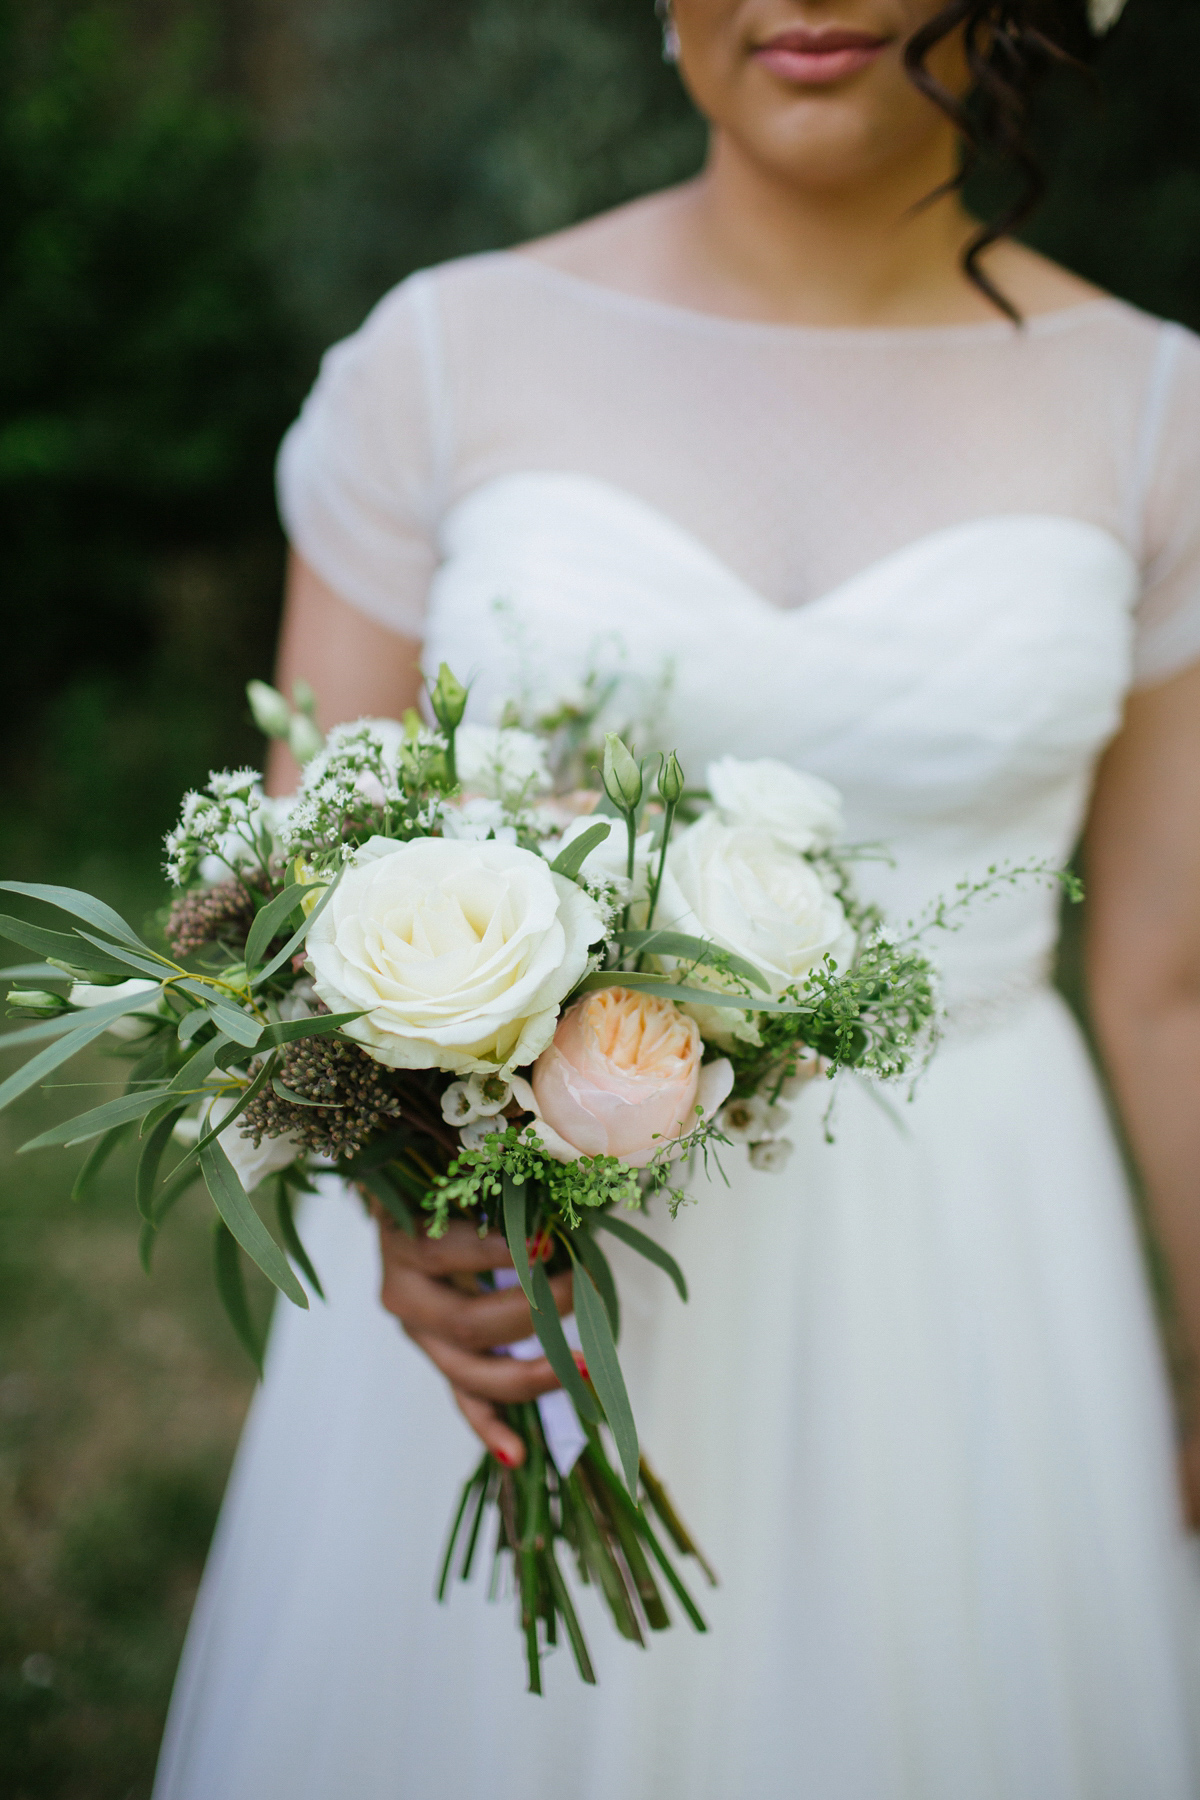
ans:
x=199 y=1066
x=227 y=1267
x=51 y=1058
x=291 y=1237
x=150 y=1161
x=273 y=917
x=692 y=950
x=236 y=1024
x=559 y=1354
x=595 y=1334
x=695 y=996
x=192 y=1023
x=146 y=962
x=596 y=1263
x=95 y=1160
x=79 y=905
x=645 y=1246
x=62 y=946
x=39 y=972
x=568 y=862
x=294 y=1099
x=64 y=1023
x=229 y=1198
x=294 y=942
x=182 y=1177
x=248 y=1093
x=292 y=1030
x=515 y=1227
x=91 y=1124
x=380 y=1185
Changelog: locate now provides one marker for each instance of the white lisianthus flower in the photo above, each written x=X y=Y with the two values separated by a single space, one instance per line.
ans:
x=250 y=1165
x=459 y=954
x=500 y=764
x=802 y=811
x=743 y=891
x=474 y=821
x=130 y=1025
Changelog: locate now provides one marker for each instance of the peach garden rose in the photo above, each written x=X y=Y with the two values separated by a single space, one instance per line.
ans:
x=623 y=1077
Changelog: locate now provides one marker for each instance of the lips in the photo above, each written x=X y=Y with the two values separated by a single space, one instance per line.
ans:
x=816 y=58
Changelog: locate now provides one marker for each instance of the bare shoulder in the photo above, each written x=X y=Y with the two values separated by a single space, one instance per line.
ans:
x=1036 y=284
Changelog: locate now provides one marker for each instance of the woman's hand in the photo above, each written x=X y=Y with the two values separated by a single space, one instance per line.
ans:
x=427 y=1285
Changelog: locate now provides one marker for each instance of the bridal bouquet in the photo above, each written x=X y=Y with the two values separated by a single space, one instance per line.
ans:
x=486 y=974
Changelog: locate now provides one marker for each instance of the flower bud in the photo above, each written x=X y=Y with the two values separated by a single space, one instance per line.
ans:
x=272 y=714
x=448 y=697
x=303 y=696
x=38 y=1001
x=622 y=777
x=670 y=781
x=304 y=738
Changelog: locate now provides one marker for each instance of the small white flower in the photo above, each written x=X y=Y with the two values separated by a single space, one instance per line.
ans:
x=457 y=1106
x=771 y=1155
x=474 y=821
x=744 y=1121
x=472 y=1134
x=490 y=1094
x=130 y=1025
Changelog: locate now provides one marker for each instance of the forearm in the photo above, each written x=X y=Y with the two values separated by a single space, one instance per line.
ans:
x=1153 y=1055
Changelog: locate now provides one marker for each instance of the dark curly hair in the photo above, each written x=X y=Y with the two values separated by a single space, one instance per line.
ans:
x=1011 y=45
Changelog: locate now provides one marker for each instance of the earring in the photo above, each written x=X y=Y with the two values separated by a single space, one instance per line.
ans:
x=670 y=37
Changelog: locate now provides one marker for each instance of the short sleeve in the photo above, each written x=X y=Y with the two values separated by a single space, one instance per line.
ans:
x=1168 y=624
x=358 y=479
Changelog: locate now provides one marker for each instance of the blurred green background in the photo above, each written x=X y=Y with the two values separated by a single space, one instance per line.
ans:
x=194 y=199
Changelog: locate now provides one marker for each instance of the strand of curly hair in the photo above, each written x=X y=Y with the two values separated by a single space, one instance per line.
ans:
x=1010 y=46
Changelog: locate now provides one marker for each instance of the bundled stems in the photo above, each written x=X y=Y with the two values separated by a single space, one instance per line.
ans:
x=606 y=1532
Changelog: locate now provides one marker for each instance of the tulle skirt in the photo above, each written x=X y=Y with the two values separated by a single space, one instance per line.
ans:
x=915 y=1413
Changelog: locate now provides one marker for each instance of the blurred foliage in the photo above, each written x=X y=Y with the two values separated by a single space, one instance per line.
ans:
x=196 y=195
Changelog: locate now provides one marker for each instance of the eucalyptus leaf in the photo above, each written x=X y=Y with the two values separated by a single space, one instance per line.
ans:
x=273 y=917
x=146 y=962
x=596 y=1263
x=693 y=950
x=515 y=1227
x=91 y=1124
x=51 y=1058
x=80 y=905
x=599 y=1347
x=95 y=1160
x=231 y=1286
x=291 y=1031
x=645 y=1246
x=559 y=1354
x=63 y=946
x=570 y=860
x=291 y=1237
x=32 y=972
x=248 y=1093
x=294 y=942
x=149 y=1162
x=231 y=1201
x=236 y=1024
x=64 y=1023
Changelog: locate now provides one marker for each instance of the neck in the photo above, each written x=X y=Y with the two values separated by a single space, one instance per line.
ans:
x=855 y=254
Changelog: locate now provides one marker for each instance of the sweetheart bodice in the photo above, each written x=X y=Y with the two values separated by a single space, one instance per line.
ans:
x=958 y=692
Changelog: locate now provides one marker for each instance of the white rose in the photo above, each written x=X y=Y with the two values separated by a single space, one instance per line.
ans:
x=129 y=1025
x=460 y=954
x=508 y=764
x=743 y=891
x=802 y=811
x=250 y=1165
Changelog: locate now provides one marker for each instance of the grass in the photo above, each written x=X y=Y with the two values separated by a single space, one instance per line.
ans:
x=121 y=1398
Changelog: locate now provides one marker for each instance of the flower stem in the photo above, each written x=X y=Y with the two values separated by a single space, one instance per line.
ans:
x=668 y=821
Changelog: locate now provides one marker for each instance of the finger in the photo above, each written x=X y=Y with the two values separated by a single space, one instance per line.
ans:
x=501 y=1379
x=476 y=1321
x=490 y=1429
x=460 y=1250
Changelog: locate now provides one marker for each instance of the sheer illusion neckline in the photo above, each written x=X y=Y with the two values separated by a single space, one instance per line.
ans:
x=879 y=336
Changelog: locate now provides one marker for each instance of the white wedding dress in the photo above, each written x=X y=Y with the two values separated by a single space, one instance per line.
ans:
x=916 y=1410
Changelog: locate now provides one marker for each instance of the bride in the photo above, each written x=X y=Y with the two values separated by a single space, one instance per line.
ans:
x=852 y=483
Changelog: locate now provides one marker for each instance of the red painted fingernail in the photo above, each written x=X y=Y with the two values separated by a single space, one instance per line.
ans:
x=506 y=1457
x=581 y=1365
